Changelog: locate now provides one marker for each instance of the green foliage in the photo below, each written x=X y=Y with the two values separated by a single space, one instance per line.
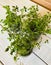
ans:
x=48 y=31
x=24 y=29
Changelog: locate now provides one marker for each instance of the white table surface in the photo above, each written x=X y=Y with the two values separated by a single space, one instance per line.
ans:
x=45 y=50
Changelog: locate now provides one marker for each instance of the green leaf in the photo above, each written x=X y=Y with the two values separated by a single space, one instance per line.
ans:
x=7 y=7
x=15 y=58
x=12 y=51
x=46 y=41
x=15 y=8
x=7 y=49
x=48 y=31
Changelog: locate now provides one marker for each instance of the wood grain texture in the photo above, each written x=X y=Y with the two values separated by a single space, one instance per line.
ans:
x=48 y=1
x=44 y=3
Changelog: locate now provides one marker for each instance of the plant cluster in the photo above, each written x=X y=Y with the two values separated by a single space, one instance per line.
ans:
x=24 y=27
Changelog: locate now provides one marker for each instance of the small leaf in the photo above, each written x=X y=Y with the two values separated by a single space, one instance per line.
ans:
x=7 y=7
x=12 y=51
x=37 y=8
x=46 y=41
x=1 y=20
x=15 y=58
x=25 y=9
x=15 y=8
x=48 y=31
x=7 y=49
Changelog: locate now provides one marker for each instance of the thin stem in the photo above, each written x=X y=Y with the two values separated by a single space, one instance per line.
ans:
x=1 y=25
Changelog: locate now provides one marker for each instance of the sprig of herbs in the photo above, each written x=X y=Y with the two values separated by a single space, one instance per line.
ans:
x=24 y=29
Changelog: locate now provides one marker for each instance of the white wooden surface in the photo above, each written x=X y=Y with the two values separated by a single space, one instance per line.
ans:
x=45 y=50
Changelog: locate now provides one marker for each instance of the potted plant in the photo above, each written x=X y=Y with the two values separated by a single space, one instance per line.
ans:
x=24 y=27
